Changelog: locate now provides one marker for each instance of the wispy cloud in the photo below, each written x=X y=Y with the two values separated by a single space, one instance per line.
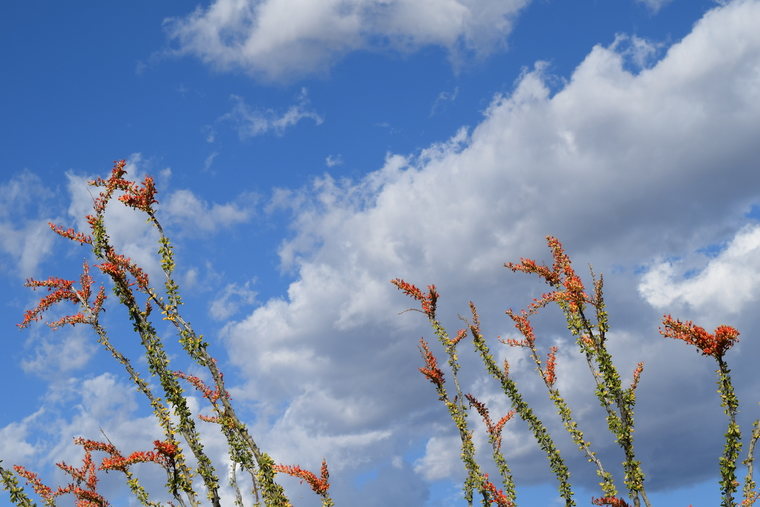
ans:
x=442 y=98
x=654 y=5
x=25 y=238
x=250 y=34
x=250 y=122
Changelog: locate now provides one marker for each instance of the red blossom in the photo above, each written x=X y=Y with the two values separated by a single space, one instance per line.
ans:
x=610 y=500
x=551 y=363
x=117 y=266
x=493 y=429
x=428 y=302
x=140 y=198
x=319 y=485
x=636 y=375
x=63 y=290
x=715 y=345
x=522 y=323
x=458 y=338
x=497 y=496
x=71 y=234
x=431 y=369
x=210 y=394
x=163 y=455
x=45 y=492
x=560 y=274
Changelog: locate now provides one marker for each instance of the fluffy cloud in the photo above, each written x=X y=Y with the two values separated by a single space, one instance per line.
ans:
x=726 y=285
x=626 y=167
x=279 y=39
x=25 y=241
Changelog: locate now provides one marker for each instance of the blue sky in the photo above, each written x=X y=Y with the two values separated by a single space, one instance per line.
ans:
x=308 y=152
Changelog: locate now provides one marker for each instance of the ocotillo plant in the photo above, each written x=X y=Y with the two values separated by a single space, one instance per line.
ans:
x=132 y=288
x=569 y=293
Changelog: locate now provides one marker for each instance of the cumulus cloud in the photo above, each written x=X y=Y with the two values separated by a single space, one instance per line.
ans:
x=195 y=215
x=726 y=284
x=55 y=356
x=281 y=39
x=625 y=166
x=231 y=298
x=25 y=237
x=251 y=122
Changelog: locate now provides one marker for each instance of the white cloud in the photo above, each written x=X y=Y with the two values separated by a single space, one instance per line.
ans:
x=333 y=160
x=442 y=98
x=232 y=297
x=251 y=123
x=60 y=353
x=281 y=39
x=441 y=458
x=195 y=216
x=654 y=5
x=622 y=166
x=25 y=236
x=727 y=284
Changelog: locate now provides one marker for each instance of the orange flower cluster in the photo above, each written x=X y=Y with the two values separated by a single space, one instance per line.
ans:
x=715 y=345
x=428 y=301
x=561 y=273
x=551 y=364
x=493 y=429
x=319 y=485
x=71 y=234
x=210 y=394
x=62 y=290
x=119 y=265
x=135 y=196
x=522 y=323
x=610 y=500
x=431 y=371
x=86 y=496
x=163 y=455
x=497 y=496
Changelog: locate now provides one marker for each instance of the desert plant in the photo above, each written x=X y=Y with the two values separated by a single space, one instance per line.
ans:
x=569 y=293
x=132 y=288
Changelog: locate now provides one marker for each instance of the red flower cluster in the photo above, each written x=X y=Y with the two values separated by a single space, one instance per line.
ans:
x=610 y=500
x=497 y=496
x=135 y=196
x=87 y=496
x=71 y=234
x=62 y=290
x=428 y=302
x=210 y=394
x=431 y=371
x=715 y=345
x=163 y=455
x=561 y=273
x=551 y=363
x=118 y=266
x=493 y=429
x=522 y=323
x=319 y=485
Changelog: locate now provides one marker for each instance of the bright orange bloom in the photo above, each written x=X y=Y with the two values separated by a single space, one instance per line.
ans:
x=551 y=363
x=497 y=496
x=319 y=485
x=431 y=370
x=610 y=500
x=493 y=429
x=428 y=302
x=71 y=234
x=715 y=345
